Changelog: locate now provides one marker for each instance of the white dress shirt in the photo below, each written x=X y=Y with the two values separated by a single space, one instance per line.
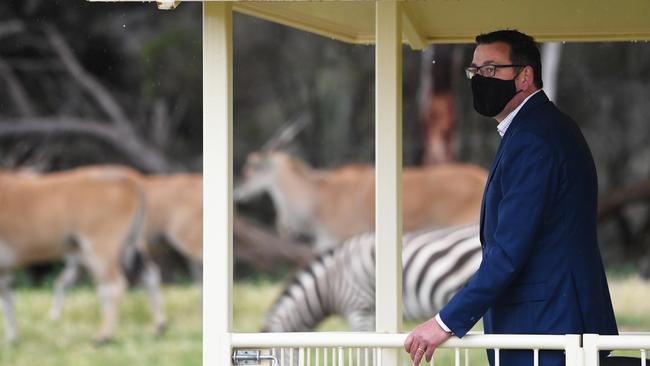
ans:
x=503 y=126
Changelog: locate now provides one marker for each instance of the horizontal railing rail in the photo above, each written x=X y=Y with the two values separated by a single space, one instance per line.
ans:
x=348 y=348
x=592 y=344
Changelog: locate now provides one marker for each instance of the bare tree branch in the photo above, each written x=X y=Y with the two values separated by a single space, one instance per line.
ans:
x=633 y=237
x=635 y=193
x=141 y=155
x=16 y=90
x=131 y=142
x=34 y=65
x=31 y=6
x=15 y=154
x=11 y=27
x=180 y=107
x=160 y=123
x=86 y=80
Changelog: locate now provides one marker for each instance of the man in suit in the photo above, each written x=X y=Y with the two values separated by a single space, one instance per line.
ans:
x=542 y=271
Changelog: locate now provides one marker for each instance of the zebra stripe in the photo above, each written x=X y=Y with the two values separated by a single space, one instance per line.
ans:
x=342 y=281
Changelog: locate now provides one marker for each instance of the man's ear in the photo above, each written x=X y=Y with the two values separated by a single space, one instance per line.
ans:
x=528 y=76
x=526 y=73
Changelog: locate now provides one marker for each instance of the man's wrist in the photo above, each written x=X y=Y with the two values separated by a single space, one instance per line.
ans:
x=442 y=324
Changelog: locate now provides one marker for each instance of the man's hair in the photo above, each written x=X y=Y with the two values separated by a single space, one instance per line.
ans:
x=523 y=49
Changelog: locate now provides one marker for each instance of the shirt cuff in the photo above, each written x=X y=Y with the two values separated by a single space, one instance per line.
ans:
x=442 y=324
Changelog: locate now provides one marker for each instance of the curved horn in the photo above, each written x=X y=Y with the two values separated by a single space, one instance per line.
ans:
x=287 y=133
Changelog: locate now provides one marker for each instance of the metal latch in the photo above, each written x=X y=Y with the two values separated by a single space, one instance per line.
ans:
x=252 y=357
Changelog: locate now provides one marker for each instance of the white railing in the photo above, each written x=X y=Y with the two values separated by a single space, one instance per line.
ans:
x=593 y=343
x=362 y=349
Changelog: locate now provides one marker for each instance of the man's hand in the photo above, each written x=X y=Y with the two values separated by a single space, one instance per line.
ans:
x=424 y=339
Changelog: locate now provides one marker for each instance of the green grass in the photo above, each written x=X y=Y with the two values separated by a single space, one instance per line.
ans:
x=252 y=299
x=69 y=341
x=631 y=305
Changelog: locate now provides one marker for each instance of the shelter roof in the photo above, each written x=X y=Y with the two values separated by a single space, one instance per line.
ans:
x=459 y=21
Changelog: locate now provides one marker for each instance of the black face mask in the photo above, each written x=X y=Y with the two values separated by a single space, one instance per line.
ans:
x=491 y=94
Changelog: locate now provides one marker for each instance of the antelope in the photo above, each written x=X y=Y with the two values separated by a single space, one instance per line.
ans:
x=174 y=206
x=94 y=217
x=333 y=205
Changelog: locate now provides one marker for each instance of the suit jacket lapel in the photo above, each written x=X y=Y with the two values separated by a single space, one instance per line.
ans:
x=495 y=163
x=533 y=102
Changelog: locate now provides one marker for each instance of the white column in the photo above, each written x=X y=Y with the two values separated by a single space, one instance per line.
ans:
x=590 y=349
x=217 y=182
x=388 y=165
x=551 y=55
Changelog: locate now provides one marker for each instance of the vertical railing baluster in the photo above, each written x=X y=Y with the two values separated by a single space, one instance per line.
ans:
x=335 y=354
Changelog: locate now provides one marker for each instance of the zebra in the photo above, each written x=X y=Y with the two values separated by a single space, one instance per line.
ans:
x=341 y=281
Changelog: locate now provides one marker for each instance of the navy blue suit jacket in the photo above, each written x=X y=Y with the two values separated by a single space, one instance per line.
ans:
x=541 y=271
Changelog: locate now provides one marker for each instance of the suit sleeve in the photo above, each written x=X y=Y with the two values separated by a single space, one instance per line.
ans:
x=529 y=171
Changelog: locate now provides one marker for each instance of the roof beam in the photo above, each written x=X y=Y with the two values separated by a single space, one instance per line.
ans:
x=412 y=31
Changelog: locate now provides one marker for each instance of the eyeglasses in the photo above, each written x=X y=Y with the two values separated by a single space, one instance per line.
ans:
x=485 y=70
